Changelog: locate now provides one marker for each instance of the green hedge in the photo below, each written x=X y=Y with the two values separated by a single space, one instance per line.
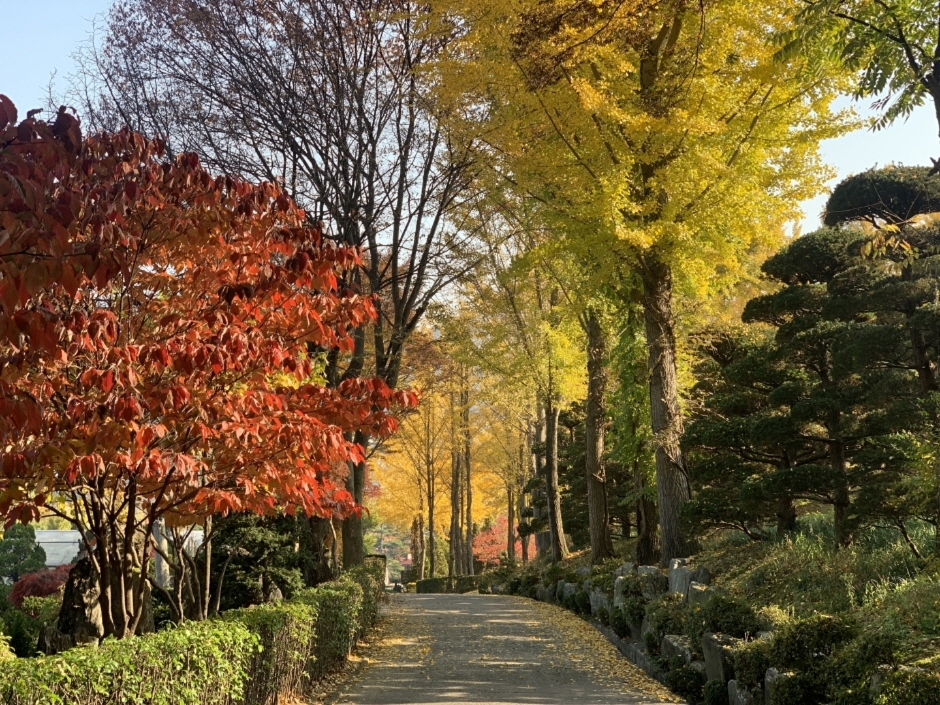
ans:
x=339 y=609
x=253 y=656
x=288 y=637
x=196 y=663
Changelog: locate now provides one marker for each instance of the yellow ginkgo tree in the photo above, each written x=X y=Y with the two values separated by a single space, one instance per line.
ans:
x=661 y=140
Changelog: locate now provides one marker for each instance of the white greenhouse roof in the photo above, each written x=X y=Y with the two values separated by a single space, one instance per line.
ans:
x=61 y=546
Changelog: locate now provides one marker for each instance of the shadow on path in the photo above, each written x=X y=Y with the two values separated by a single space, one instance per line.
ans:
x=475 y=649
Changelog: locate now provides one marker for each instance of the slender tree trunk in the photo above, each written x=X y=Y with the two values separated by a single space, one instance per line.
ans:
x=647 y=547
x=543 y=542
x=672 y=482
x=467 y=467
x=511 y=524
x=594 y=423
x=556 y=526
x=841 y=497
x=431 y=498
x=453 y=559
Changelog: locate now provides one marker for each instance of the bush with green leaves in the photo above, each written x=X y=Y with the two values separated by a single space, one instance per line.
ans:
x=715 y=693
x=751 y=661
x=910 y=686
x=196 y=663
x=288 y=638
x=618 y=622
x=582 y=602
x=666 y=615
x=724 y=614
x=338 y=604
x=634 y=609
x=684 y=680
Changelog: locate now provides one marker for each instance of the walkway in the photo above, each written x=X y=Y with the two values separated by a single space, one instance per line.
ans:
x=476 y=649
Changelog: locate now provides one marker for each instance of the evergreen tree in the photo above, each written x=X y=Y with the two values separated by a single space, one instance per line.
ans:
x=19 y=553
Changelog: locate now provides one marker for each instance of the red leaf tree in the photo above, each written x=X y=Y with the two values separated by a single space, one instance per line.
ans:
x=161 y=333
x=42 y=583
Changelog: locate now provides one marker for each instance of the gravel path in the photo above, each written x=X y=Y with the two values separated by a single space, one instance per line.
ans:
x=475 y=649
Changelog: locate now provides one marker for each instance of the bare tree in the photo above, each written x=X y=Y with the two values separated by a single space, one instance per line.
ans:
x=324 y=96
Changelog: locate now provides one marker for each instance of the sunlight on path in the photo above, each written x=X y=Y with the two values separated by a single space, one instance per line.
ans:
x=476 y=649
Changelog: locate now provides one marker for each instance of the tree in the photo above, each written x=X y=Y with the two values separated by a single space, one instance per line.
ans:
x=157 y=324
x=845 y=388
x=891 y=47
x=327 y=98
x=42 y=583
x=19 y=553
x=654 y=137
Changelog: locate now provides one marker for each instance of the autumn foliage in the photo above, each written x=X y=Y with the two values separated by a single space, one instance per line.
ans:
x=42 y=583
x=160 y=340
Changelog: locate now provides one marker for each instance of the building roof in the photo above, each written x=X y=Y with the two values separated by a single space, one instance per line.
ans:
x=61 y=546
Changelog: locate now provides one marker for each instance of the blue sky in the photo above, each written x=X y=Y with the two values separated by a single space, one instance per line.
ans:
x=38 y=38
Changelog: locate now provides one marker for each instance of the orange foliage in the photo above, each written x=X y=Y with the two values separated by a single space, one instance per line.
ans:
x=159 y=336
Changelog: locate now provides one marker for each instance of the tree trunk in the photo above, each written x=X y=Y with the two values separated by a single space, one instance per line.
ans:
x=453 y=560
x=319 y=570
x=594 y=423
x=433 y=558
x=511 y=523
x=647 y=547
x=672 y=482
x=786 y=516
x=555 y=524
x=468 y=486
x=353 y=548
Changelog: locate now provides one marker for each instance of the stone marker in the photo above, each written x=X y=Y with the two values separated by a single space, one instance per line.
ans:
x=698 y=593
x=719 y=656
x=702 y=575
x=676 y=645
x=680 y=578
x=738 y=695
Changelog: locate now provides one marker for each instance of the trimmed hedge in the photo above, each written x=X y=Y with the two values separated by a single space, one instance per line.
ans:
x=288 y=638
x=196 y=663
x=253 y=656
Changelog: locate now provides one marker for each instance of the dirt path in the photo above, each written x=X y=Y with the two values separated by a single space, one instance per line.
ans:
x=475 y=649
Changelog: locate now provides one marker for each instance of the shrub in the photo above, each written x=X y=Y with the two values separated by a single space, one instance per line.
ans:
x=634 y=608
x=716 y=693
x=728 y=615
x=582 y=602
x=666 y=615
x=751 y=661
x=39 y=584
x=797 y=689
x=338 y=605
x=910 y=687
x=804 y=644
x=432 y=585
x=370 y=578
x=6 y=653
x=287 y=634
x=652 y=643
x=685 y=681
x=196 y=663
x=618 y=622
x=653 y=583
x=602 y=615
